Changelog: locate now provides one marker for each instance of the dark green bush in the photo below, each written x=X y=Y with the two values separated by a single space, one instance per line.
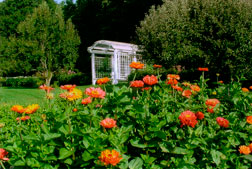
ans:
x=76 y=78
x=200 y=33
x=31 y=82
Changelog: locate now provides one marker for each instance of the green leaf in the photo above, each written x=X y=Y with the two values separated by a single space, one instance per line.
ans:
x=64 y=129
x=248 y=157
x=32 y=162
x=179 y=150
x=136 y=163
x=135 y=143
x=69 y=161
x=51 y=136
x=50 y=158
x=19 y=163
x=86 y=156
x=216 y=156
x=64 y=153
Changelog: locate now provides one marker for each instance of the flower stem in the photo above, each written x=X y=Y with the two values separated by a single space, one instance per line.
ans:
x=2 y=164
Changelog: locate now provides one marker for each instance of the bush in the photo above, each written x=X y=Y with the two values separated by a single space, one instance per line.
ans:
x=31 y=82
x=75 y=78
x=196 y=33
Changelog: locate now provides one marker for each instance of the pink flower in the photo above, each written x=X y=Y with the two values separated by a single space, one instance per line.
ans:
x=86 y=100
x=108 y=123
x=95 y=92
x=3 y=153
x=222 y=122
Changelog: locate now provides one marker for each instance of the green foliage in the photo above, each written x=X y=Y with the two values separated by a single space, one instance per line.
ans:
x=31 y=82
x=196 y=33
x=76 y=78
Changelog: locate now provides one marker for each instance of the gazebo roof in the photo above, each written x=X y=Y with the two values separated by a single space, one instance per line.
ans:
x=110 y=46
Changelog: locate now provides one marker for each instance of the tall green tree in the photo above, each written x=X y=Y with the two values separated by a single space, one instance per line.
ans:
x=47 y=42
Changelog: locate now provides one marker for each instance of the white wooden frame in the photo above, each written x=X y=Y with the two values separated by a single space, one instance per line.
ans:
x=122 y=54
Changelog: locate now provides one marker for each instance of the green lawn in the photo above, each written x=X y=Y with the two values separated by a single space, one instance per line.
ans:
x=26 y=96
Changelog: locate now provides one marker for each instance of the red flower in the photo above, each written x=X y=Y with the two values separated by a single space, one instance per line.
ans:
x=171 y=82
x=137 y=65
x=249 y=119
x=203 y=69
x=3 y=153
x=173 y=76
x=108 y=123
x=244 y=150
x=23 y=118
x=200 y=115
x=95 y=92
x=75 y=110
x=177 y=88
x=210 y=109
x=222 y=122
x=46 y=88
x=188 y=118
x=187 y=93
x=86 y=100
x=103 y=81
x=212 y=102
x=150 y=80
x=17 y=108
x=110 y=157
x=195 y=88
x=137 y=83
x=157 y=66
x=146 y=88
x=68 y=87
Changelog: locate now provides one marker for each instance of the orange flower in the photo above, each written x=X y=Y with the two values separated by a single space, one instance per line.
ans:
x=195 y=88
x=200 y=115
x=17 y=108
x=71 y=95
x=187 y=93
x=210 y=109
x=95 y=92
x=171 y=82
x=75 y=110
x=212 y=102
x=188 y=118
x=23 y=118
x=137 y=83
x=250 y=87
x=177 y=88
x=3 y=153
x=186 y=84
x=250 y=146
x=173 y=76
x=150 y=80
x=68 y=87
x=46 y=88
x=244 y=89
x=157 y=66
x=31 y=109
x=220 y=81
x=103 y=81
x=110 y=157
x=137 y=65
x=244 y=150
x=203 y=69
x=86 y=100
x=108 y=123
x=146 y=88
x=222 y=122
x=249 y=119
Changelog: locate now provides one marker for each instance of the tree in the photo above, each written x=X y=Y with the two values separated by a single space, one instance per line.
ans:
x=212 y=33
x=48 y=42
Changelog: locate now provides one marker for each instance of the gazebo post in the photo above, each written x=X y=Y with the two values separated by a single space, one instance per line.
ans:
x=115 y=67
x=93 y=68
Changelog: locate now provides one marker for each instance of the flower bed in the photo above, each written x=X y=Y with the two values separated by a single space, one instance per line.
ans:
x=148 y=124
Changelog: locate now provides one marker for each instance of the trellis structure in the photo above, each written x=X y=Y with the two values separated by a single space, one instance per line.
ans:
x=111 y=59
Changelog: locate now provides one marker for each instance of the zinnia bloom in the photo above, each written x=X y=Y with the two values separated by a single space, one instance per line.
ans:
x=210 y=109
x=200 y=115
x=68 y=87
x=250 y=87
x=3 y=153
x=244 y=89
x=188 y=118
x=157 y=66
x=250 y=146
x=95 y=92
x=137 y=65
x=171 y=82
x=212 y=102
x=110 y=157
x=187 y=93
x=23 y=118
x=195 y=88
x=173 y=76
x=86 y=100
x=244 y=150
x=177 y=88
x=108 y=123
x=137 y=83
x=46 y=88
x=222 y=122
x=17 y=108
x=203 y=69
x=150 y=80
x=249 y=119
x=75 y=110
x=186 y=84
x=220 y=81
x=103 y=81
x=31 y=109
x=146 y=88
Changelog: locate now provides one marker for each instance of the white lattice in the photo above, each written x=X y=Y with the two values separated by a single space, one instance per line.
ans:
x=102 y=67
x=123 y=62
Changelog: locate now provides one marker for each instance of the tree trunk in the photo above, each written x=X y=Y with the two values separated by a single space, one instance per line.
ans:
x=48 y=77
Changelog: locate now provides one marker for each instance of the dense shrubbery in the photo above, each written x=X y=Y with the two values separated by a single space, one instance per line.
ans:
x=31 y=82
x=162 y=126
x=214 y=33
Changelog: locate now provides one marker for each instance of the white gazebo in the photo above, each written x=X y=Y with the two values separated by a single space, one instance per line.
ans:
x=111 y=59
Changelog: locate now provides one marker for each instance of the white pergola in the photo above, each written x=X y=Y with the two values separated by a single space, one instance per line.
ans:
x=111 y=59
